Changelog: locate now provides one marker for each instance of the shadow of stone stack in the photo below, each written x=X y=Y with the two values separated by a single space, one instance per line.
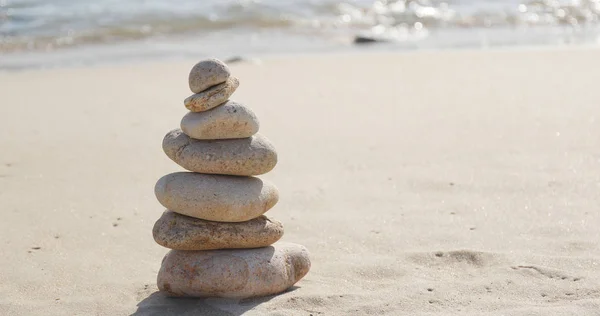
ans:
x=222 y=244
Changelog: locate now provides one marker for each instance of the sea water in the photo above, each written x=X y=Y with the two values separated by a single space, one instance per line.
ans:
x=36 y=33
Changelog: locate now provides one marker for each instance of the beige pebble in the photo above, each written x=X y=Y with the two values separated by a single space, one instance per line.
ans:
x=216 y=197
x=229 y=120
x=180 y=232
x=239 y=273
x=242 y=157
x=212 y=97
x=207 y=73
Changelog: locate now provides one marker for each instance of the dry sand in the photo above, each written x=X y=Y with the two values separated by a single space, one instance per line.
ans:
x=435 y=183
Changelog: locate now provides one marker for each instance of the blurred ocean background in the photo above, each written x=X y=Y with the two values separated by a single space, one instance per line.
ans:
x=46 y=33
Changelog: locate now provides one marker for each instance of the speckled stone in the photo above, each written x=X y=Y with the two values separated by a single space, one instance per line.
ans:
x=229 y=120
x=216 y=197
x=242 y=273
x=241 y=157
x=207 y=73
x=180 y=232
x=212 y=97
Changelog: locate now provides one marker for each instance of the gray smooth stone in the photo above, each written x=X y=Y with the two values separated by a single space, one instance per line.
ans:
x=216 y=197
x=241 y=157
x=207 y=73
x=242 y=273
x=227 y=121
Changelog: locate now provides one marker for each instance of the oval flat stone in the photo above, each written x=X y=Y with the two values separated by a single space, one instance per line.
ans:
x=212 y=97
x=229 y=120
x=241 y=157
x=180 y=232
x=239 y=273
x=216 y=197
x=207 y=73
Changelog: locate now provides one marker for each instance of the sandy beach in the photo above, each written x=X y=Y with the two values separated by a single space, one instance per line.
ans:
x=430 y=183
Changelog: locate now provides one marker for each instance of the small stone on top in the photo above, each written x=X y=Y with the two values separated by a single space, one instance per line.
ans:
x=208 y=73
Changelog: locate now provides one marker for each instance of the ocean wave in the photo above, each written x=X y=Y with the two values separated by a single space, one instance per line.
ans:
x=39 y=25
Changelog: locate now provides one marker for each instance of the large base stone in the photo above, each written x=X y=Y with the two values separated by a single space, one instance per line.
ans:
x=233 y=273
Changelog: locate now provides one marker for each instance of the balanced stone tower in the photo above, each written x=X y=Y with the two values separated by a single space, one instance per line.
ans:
x=222 y=244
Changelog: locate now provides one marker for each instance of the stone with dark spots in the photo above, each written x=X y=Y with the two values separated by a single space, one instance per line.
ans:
x=180 y=232
x=240 y=157
x=212 y=97
x=227 y=121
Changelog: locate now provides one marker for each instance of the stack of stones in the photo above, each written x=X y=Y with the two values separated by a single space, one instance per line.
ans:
x=222 y=244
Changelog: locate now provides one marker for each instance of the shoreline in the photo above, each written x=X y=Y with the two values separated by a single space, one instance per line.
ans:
x=257 y=59
x=272 y=45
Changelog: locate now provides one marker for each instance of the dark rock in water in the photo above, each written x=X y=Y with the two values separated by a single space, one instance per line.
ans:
x=242 y=59
x=361 y=39
x=235 y=59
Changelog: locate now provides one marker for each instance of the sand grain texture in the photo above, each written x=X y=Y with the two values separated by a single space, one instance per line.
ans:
x=436 y=183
